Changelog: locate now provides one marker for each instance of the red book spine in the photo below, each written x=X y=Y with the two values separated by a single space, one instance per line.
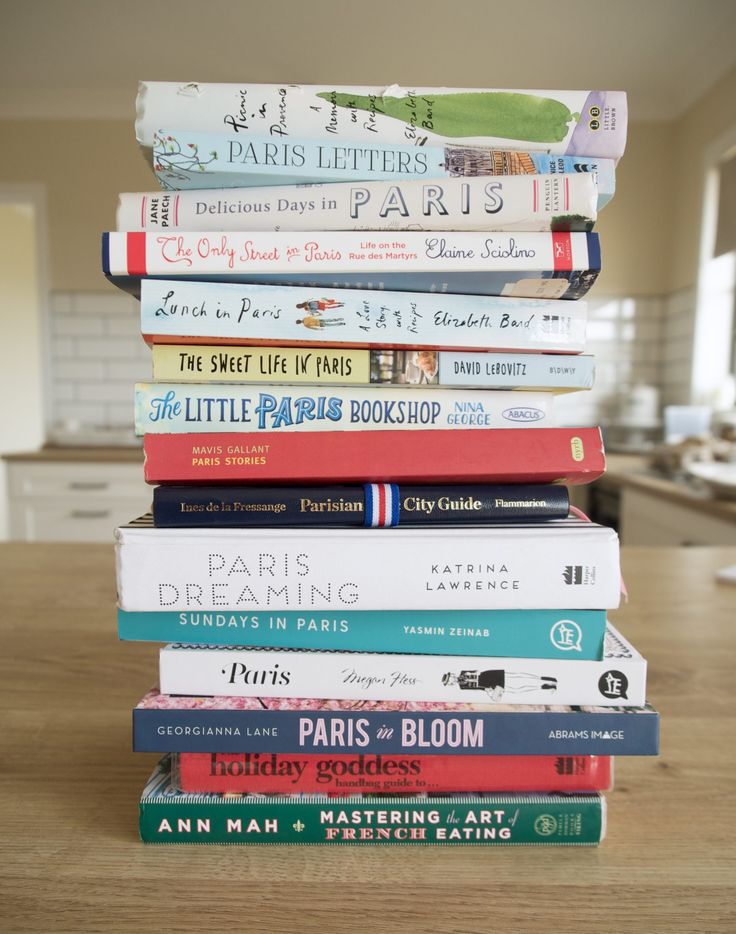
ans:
x=498 y=455
x=272 y=773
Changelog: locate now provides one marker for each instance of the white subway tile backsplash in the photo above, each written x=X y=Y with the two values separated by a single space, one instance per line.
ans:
x=606 y=330
x=645 y=352
x=97 y=354
x=679 y=348
x=117 y=349
x=102 y=304
x=646 y=373
x=79 y=414
x=79 y=370
x=76 y=326
x=61 y=348
x=106 y=391
x=63 y=391
x=608 y=350
x=606 y=372
x=647 y=329
x=135 y=371
x=121 y=413
x=602 y=310
x=124 y=326
x=681 y=302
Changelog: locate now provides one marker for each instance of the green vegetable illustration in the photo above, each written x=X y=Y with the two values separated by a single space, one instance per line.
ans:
x=502 y=114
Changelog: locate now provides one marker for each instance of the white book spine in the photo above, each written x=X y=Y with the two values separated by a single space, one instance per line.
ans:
x=508 y=203
x=236 y=313
x=555 y=565
x=559 y=372
x=556 y=121
x=619 y=679
x=288 y=253
x=166 y=408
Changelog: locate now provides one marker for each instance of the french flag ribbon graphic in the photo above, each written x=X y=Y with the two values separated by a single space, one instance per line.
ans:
x=381 y=505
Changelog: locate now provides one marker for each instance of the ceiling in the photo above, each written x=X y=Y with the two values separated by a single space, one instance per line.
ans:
x=83 y=58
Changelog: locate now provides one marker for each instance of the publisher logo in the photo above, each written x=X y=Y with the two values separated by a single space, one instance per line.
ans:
x=577 y=449
x=556 y=324
x=613 y=685
x=565 y=765
x=545 y=825
x=523 y=414
x=578 y=575
x=566 y=636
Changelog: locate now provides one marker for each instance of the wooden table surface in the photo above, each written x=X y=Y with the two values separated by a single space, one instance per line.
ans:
x=71 y=859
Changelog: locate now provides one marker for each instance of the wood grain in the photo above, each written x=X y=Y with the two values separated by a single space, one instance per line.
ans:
x=72 y=861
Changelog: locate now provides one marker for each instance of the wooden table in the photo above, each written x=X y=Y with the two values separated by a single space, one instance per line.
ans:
x=70 y=785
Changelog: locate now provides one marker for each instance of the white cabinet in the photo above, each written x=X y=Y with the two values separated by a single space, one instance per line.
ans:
x=73 y=501
x=648 y=519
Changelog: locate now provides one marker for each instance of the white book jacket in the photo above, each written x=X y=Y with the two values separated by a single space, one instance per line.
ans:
x=619 y=679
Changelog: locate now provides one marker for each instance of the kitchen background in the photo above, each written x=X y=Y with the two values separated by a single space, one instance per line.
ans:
x=660 y=315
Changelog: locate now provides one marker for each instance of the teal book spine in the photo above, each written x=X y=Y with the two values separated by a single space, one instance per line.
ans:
x=570 y=634
x=170 y=816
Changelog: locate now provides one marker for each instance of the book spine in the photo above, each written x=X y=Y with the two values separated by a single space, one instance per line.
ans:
x=398 y=732
x=197 y=363
x=569 y=285
x=298 y=257
x=480 y=821
x=523 y=633
x=589 y=123
x=514 y=202
x=173 y=311
x=542 y=455
x=545 y=566
x=174 y=408
x=232 y=671
x=251 y=773
x=369 y=506
x=179 y=161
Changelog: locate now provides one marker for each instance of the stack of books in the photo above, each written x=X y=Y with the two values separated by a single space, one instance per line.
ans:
x=386 y=623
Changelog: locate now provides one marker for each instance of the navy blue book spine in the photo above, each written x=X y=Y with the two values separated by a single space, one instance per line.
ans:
x=371 y=505
x=573 y=732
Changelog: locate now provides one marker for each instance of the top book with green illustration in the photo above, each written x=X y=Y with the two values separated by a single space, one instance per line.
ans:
x=587 y=123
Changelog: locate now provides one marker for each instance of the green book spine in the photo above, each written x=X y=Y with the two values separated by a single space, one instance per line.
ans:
x=170 y=816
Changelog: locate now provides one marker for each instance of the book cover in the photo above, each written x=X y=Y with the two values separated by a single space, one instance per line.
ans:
x=168 y=815
x=198 y=363
x=270 y=773
x=371 y=505
x=547 y=565
x=175 y=408
x=524 y=633
x=505 y=202
x=590 y=123
x=524 y=265
x=171 y=723
x=619 y=679
x=499 y=455
x=175 y=311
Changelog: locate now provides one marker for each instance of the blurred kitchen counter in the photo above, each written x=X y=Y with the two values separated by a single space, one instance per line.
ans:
x=58 y=453
x=632 y=470
x=650 y=509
